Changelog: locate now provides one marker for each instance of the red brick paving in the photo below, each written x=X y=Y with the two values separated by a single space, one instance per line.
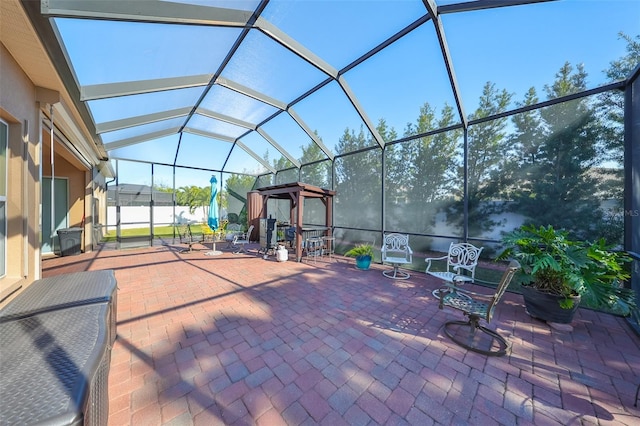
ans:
x=236 y=339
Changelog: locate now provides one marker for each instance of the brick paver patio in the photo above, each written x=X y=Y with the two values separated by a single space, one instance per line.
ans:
x=237 y=339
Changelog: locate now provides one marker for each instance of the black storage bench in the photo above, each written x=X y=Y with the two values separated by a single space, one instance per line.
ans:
x=55 y=351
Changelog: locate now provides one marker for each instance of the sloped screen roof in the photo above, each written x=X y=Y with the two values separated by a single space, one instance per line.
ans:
x=256 y=86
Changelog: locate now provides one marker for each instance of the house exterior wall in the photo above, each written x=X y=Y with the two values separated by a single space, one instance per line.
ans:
x=19 y=110
x=25 y=108
x=77 y=179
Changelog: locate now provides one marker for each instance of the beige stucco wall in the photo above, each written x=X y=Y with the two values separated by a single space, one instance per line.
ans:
x=29 y=89
x=21 y=110
x=17 y=108
x=76 y=179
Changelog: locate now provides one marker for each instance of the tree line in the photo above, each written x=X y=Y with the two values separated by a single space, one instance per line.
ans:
x=554 y=165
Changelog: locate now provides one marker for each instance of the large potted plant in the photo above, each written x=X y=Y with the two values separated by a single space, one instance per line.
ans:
x=558 y=274
x=363 y=254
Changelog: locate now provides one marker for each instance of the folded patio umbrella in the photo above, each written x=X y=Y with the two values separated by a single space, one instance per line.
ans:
x=213 y=205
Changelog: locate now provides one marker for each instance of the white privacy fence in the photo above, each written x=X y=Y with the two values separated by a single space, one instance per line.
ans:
x=140 y=216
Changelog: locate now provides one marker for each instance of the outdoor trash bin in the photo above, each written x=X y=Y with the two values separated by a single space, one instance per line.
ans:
x=69 y=241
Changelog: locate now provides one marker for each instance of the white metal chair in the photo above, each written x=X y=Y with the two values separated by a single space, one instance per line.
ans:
x=242 y=240
x=475 y=306
x=461 y=261
x=395 y=250
x=231 y=231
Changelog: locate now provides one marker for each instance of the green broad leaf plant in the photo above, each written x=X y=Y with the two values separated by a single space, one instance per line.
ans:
x=553 y=263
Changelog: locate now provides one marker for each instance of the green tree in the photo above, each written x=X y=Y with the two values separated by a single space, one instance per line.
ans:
x=487 y=143
x=528 y=138
x=160 y=187
x=525 y=145
x=237 y=186
x=610 y=107
x=433 y=157
x=423 y=168
x=358 y=181
x=281 y=163
x=318 y=174
x=194 y=197
x=557 y=155
x=611 y=104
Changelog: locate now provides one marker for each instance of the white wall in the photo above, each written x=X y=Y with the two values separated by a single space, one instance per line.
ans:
x=162 y=215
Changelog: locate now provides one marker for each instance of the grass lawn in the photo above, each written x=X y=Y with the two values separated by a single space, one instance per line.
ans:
x=159 y=231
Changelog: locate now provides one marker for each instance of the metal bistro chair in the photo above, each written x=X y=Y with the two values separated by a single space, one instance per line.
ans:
x=186 y=237
x=461 y=260
x=476 y=306
x=242 y=240
x=230 y=232
x=395 y=250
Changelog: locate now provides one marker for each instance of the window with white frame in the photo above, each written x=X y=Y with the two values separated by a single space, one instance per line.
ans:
x=4 y=137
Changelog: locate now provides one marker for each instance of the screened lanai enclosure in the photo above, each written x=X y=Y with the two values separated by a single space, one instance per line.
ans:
x=447 y=120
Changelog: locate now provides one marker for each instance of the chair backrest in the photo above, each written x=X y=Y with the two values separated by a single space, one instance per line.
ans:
x=501 y=288
x=395 y=243
x=248 y=234
x=463 y=256
x=233 y=232
x=290 y=233
x=184 y=232
x=233 y=227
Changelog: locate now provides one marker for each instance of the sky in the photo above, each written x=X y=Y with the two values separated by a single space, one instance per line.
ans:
x=514 y=47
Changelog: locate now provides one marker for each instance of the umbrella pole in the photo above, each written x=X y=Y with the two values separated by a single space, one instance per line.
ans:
x=212 y=220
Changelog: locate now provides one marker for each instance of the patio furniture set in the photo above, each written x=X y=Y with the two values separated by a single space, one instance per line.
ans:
x=461 y=261
x=319 y=246
x=231 y=234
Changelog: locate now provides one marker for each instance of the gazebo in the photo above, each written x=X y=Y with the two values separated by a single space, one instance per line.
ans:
x=296 y=193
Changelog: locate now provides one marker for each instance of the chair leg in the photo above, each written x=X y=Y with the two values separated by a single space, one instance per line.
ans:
x=396 y=273
x=474 y=337
x=187 y=250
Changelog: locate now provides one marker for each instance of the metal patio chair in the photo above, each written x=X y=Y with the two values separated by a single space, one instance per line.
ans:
x=186 y=237
x=476 y=306
x=396 y=251
x=241 y=240
x=461 y=261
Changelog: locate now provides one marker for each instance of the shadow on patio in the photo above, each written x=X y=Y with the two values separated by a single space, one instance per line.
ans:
x=236 y=339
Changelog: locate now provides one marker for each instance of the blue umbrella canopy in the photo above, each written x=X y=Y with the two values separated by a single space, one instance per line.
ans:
x=213 y=205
